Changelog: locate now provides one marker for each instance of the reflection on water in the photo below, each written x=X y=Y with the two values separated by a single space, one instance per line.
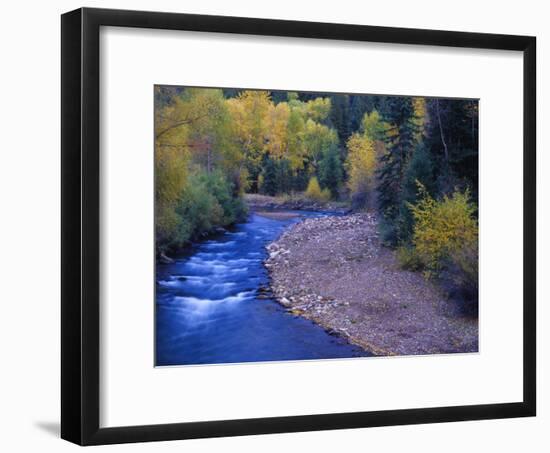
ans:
x=207 y=309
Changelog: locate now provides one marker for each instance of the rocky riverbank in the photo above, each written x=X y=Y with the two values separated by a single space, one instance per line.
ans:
x=335 y=272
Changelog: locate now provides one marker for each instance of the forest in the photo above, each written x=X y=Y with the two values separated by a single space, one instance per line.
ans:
x=411 y=160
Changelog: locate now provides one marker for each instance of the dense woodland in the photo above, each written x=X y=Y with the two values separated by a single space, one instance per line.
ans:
x=414 y=160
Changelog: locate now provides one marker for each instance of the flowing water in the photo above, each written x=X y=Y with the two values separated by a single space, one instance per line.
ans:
x=208 y=310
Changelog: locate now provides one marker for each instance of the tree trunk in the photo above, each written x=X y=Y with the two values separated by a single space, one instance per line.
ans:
x=441 y=131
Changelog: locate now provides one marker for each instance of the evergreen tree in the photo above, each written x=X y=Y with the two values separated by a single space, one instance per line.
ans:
x=270 y=181
x=359 y=105
x=279 y=96
x=452 y=140
x=284 y=176
x=231 y=92
x=331 y=171
x=300 y=179
x=419 y=170
x=340 y=116
x=400 y=142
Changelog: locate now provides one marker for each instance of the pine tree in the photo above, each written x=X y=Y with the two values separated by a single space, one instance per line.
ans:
x=359 y=105
x=340 y=116
x=419 y=170
x=452 y=141
x=400 y=143
x=330 y=171
x=284 y=176
x=270 y=180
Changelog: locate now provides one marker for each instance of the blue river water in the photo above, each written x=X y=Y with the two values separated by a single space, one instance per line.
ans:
x=208 y=310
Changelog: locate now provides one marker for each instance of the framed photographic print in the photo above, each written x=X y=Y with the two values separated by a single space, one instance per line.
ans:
x=274 y=226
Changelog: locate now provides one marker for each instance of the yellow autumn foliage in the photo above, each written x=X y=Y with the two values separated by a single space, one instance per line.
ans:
x=420 y=116
x=277 y=130
x=444 y=230
x=361 y=163
x=314 y=192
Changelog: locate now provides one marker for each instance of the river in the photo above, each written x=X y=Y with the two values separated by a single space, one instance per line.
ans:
x=208 y=309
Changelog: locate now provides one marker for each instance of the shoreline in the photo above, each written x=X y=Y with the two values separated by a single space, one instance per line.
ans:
x=265 y=203
x=272 y=207
x=334 y=272
x=163 y=258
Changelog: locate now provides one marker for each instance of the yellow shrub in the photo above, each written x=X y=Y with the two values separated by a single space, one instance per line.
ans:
x=325 y=195
x=408 y=258
x=443 y=229
x=314 y=192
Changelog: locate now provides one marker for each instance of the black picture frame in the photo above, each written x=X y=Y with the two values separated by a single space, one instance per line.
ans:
x=80 y=263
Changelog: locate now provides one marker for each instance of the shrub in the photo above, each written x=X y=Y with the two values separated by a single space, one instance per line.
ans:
x=168 y=227
x=233 y=208
x=443 y=230
x=388 y=227
x=464 y=267
x=199 y=210
x=314 y=192
x=207 y=201
x=408 y=258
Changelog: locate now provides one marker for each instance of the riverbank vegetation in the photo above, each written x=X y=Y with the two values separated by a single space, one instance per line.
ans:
x=412 y=160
